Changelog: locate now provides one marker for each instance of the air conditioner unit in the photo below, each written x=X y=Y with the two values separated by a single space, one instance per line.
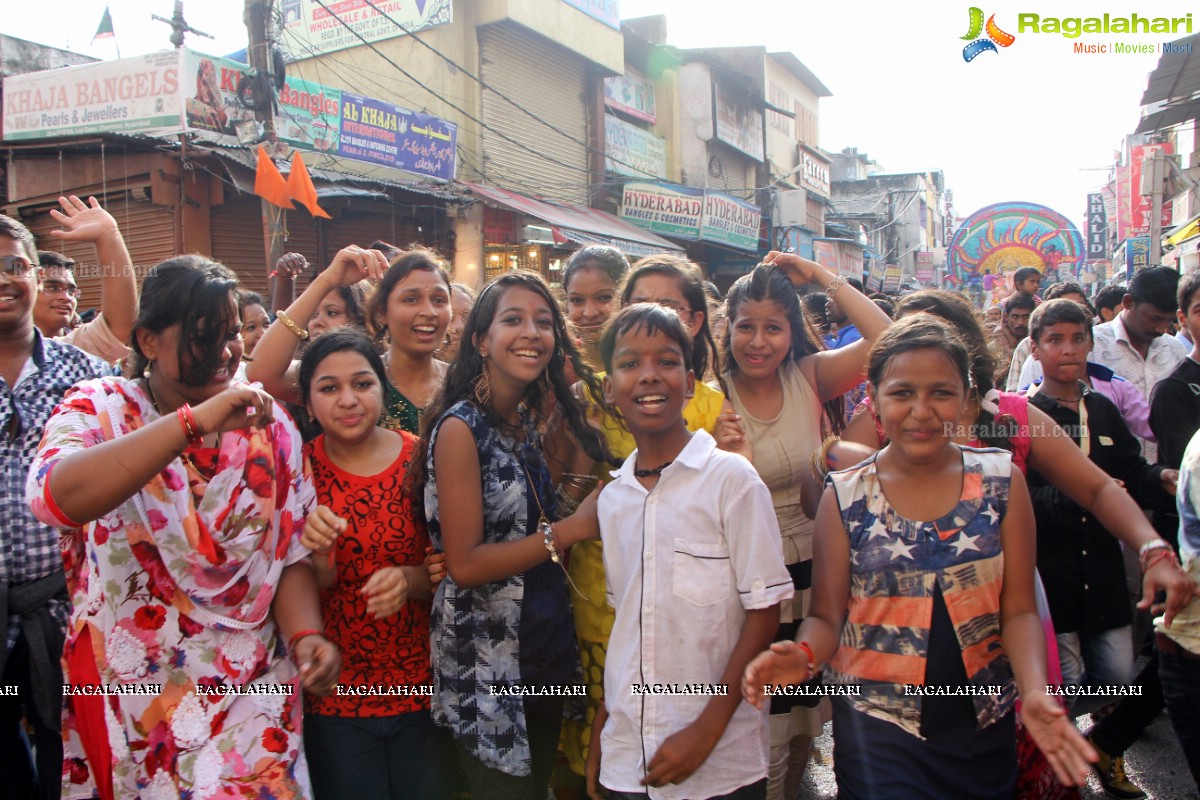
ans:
x=791 y=208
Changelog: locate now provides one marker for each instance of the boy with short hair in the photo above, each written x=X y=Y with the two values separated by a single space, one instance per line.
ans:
x=1080 y=562
x=695 y=572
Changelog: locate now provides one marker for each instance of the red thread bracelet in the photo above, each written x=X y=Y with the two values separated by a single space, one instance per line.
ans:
x=812 y=659
x=291 y=645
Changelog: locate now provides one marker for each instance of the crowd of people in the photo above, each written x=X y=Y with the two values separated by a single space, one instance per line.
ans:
x=625 y=537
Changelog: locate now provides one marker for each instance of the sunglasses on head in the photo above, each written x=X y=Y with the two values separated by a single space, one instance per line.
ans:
x=15 y=265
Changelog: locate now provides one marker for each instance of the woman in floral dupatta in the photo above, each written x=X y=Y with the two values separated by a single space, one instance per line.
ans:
x=184 y=562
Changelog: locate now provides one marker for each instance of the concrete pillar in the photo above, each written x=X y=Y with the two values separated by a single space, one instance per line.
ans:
x=468 y=240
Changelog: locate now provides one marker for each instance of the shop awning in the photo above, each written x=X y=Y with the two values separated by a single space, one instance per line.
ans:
x=581 y=225
x=1177 y=75
x=1184 y=232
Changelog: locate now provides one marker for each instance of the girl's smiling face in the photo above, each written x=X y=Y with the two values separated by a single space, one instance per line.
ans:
x=760 y=338
x=520 y=341
x=418 y=312
x=345 y=396
x=919 y=400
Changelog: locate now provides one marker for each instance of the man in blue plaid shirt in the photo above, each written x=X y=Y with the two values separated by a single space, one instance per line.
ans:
x=35 y=373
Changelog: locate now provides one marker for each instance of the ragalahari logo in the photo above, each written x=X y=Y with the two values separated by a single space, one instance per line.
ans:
x=995 y=36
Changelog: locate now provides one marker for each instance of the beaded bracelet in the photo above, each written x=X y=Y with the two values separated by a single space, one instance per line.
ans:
x=548 y=541
x=292 y=326
x=837 y=283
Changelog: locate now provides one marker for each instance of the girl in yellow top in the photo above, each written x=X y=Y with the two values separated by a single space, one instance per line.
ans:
x=677 y=284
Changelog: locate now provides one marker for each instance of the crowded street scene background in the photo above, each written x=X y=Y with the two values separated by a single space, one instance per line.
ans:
x=472 y=399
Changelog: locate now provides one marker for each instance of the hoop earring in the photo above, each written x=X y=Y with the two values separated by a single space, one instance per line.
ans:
x=148 y=368
x=482 y=386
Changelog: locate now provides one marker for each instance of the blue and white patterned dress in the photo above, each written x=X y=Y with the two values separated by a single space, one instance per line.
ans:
x=517 y=631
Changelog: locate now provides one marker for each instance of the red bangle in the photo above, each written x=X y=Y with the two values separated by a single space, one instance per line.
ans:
x=291 y=645
x=274 y=274
x=52 y=506
x=191 y=429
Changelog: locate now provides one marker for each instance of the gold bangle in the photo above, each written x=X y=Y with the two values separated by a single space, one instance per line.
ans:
x=835 y=284
x=292 y=326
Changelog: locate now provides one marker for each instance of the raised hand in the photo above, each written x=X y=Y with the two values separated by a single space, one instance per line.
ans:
x=291 y=265
x=353 y=264
x=799 y=270
x=239 y=406
x=82 y=222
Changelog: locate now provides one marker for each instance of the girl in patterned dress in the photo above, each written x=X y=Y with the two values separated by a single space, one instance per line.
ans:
x=503 y=643
x=195 y=621
x=923 y=598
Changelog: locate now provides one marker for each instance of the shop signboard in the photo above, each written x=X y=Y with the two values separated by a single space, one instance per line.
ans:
x=730 y=221
x=924 y=267
x=843 y=256
x=139 y=94
x=606 y=11
x=739 y=122
x=891 y=278
x=1097 y=227
x=664 y=208
x=1142 y=205
x=315 y=27
x=384 y=133
x=815 y=174
x=1124 y=205
x=1135 y=252
x=631 y=94
x=874 y=272
x=630 y=150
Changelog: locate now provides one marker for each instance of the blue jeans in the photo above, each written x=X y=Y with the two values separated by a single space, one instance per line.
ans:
x=378 y=758
x=1095 y=659
x=1180 y=673
x=751 y=791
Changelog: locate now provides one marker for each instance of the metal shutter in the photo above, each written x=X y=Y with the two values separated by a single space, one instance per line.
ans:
x=149 y=232
x=730 y=172
x=549 y=82
x=238 y=241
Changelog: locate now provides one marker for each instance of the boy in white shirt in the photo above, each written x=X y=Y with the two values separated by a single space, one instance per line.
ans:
x=695 y=572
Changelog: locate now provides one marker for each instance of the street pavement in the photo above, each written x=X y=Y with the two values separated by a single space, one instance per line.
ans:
x=1155 y=763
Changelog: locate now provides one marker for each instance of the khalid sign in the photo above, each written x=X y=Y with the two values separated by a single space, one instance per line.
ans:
x=1097 y=228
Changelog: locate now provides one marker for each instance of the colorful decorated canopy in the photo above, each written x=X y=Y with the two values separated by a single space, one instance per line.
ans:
x=1000 y=239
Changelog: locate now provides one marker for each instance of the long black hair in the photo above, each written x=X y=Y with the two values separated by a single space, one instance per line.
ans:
x=197 y=294
x=767 y=282
x=541 y=396
x=691 y=285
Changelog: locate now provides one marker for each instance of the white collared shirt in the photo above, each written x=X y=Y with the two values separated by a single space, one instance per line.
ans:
x=1113 y=349
x=684 y=563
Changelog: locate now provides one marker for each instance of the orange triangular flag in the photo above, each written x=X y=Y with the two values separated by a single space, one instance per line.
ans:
x=269 y=183
x=301 y=188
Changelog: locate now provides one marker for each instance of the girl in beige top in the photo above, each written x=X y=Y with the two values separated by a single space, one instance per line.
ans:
x=784 y=388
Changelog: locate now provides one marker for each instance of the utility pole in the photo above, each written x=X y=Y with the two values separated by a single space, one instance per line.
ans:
x=1158 y=175
x=257 y=16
